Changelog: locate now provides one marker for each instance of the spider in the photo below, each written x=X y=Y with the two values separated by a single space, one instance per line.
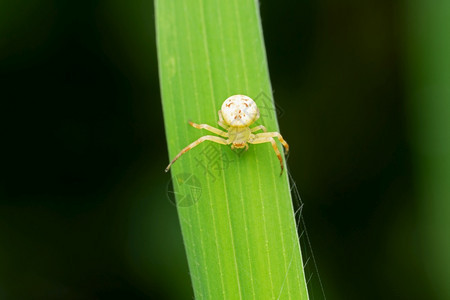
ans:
x=238 y=112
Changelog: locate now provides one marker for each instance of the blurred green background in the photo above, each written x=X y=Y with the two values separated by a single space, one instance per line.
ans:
x=363 y=87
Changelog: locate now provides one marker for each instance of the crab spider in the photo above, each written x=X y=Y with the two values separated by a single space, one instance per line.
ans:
x=238 y=112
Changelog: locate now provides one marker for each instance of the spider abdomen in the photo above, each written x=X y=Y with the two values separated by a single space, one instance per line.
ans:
x=240 y=111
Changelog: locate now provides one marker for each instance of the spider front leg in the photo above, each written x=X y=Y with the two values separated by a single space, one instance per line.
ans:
x=209 y=127
x=260 y=140
x=273 y=135
x=215 y=139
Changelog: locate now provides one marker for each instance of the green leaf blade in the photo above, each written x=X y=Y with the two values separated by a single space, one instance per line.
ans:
x=240 y=235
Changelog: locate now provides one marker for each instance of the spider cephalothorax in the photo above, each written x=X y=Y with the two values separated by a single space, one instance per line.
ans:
x=238 y=112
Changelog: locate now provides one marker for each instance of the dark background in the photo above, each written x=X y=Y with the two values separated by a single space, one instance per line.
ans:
x=83 y=206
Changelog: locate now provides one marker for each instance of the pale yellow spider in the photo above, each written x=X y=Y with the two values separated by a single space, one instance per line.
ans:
x=237 y=114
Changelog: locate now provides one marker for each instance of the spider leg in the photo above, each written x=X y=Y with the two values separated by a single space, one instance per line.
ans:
x=273 y=135
x=260 y=127
x=221 y=123
x=260 y=140
x=215 y=139
x=210 y=128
